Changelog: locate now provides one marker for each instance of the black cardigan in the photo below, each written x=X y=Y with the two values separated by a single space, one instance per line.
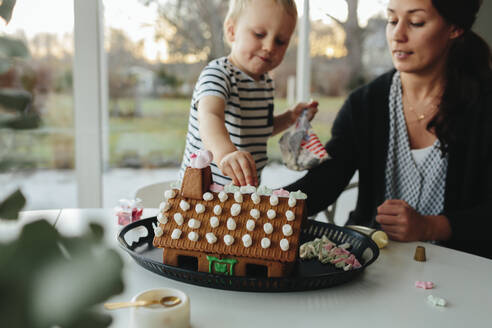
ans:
x=359 y=142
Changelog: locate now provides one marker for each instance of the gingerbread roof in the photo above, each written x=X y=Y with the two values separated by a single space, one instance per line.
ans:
x=237 y=248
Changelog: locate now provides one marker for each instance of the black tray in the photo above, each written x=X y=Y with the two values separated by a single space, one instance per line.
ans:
x=306 y=275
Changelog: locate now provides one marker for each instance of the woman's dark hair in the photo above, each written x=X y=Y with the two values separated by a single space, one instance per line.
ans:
x=468 y=68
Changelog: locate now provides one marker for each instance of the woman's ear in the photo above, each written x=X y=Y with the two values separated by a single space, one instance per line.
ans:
x=456 y=32
x=229 y=30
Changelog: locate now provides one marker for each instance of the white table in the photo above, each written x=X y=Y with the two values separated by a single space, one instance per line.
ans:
x=383 y=296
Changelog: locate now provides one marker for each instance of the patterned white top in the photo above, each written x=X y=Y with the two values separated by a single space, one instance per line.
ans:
x=248 y=112
x=421 y=184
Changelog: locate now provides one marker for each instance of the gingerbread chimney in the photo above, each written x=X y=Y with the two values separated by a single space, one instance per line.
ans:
x=198 y=176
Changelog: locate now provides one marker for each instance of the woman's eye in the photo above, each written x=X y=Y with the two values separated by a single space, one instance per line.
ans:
x=259 y=35
x=392 y=22
x=417 y=24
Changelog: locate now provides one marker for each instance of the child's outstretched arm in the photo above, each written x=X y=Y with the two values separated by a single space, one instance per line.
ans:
x=236 y=164
x=286 y=119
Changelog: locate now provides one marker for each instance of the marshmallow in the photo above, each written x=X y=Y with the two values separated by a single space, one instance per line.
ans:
x=247 y=241
x=184 y=205
x=250 y=225
x=157 y=230
x=199 y=208
x=168 y=194
x=298 y=195
x=268 y=228
x=217 y=209
x=273 y=200
x=228 y=240
x=235 y=209
x=231 y=224
x=211 y=238
x=284 y=244
x=292 y=201
x=214 y=222
x=230 y=188
x=178 y=217
x=436 y=301
x=287 y=230
x=176 y=234
x=162 y=218
x=254 y=213
x=249 y=189
x=193 y=236
x=164 y=206
x=223 y=196
x=208 y=196
x=194 y=223
x=238 y=197
x=271 y=214
x=255 y=198
x=290 y=215
x=265 y=242
x=264 y=190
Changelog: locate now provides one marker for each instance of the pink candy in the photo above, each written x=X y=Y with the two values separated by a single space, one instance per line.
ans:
x=281 y=193
x=128 y=211
x=424 y=284
x=216 y=187
x=201 y=159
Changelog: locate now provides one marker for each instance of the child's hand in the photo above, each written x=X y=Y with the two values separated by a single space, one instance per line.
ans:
x=312 y=107
x=240 y=167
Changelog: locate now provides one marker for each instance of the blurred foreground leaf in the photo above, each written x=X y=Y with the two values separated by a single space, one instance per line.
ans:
x=11 y=206
x=50 y=280
x=6 y=7
x=14 y=99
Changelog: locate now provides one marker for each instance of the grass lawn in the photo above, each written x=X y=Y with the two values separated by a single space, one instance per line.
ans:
x=156 y=138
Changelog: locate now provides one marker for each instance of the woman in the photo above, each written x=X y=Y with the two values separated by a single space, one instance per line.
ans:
x=420 y=136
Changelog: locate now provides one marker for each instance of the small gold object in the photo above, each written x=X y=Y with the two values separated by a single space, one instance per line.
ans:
x=168 y=301
x=419 y=254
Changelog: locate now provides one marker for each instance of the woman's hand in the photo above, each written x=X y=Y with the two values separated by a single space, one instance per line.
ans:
x=240 y=167
x=401 y=222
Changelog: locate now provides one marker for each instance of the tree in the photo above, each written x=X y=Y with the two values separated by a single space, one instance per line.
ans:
x=191 y=28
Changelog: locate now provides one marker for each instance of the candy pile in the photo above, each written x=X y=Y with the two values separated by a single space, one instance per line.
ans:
x=130 y=210
x=328 y=252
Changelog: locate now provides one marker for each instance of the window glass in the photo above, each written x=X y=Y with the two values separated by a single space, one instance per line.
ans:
x=36 y=61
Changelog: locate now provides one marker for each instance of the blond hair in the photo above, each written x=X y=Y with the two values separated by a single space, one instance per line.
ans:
x=236 y=7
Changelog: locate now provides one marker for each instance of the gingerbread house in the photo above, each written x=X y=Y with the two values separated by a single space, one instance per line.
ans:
x=240 y=231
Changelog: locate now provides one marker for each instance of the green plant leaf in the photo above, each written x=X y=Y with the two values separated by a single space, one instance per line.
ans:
x=10 y=48
x=12 y=205
x=6 y=7
x=25 y=122
x=14 y=99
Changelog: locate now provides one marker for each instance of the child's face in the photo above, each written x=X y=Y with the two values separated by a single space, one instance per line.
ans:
x=259 y=37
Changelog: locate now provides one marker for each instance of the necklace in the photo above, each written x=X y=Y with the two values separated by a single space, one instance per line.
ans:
x=430 y=109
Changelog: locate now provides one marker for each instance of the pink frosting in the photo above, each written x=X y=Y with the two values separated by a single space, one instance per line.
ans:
x=281 y=193
x=216 y=187
x=201 y=160
x=424 y=284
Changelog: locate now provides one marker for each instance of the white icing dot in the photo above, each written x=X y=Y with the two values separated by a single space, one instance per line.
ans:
x=176 y=234
x=231 y=224
x=211 y=238
x=255 y=198
x=271 y=214
x=214 y=222
x=254 y=213
x=273 y=200
x=287 y=229
x=184 y=205
x=199 y=208
x=178 y=217
x=164 y=206
x=290 y=215
x=217 y=209
x=162 y=218
x=208 y=196
x=238 y=197
x=193 y=236
x=292 y=201
x=268 y=228
x=247 y=241
x=223 y=196
x=250 y=225
x=284 y=244
x=265 y=242
x=228 y=240
x=194 y=223
x=235 y=209
x=168 y=194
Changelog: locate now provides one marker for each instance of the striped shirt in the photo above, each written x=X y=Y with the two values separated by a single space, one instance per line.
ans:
x=248 y=113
